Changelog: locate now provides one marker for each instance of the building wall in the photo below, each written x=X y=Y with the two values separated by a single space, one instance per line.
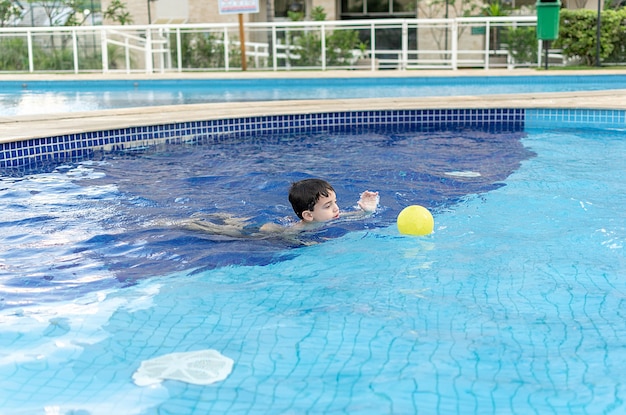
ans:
x=206 y=11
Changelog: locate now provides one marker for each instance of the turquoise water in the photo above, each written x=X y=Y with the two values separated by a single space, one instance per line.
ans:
x=43 y=97
x=514 y=305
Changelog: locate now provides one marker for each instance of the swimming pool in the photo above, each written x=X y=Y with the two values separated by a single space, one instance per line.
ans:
x=513 y=305
x=45 y=97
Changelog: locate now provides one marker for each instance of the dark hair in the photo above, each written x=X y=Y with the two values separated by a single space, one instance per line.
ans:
x=304 y=194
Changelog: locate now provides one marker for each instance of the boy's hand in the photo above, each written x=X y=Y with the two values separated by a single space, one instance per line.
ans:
x=368 y=201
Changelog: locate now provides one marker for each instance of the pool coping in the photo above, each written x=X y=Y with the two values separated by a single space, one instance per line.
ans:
x=19 y=128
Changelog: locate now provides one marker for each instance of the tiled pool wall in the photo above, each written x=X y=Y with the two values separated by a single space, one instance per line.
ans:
x=85 y=145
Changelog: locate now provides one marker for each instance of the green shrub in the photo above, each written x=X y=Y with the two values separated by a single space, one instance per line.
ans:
x=578 y=32
x=309 y=46
x=339 y=43
x=14 y=56
x=339 y=46
x=619 y=38
x=201 y=50
x=53 y=60
x=522 y=44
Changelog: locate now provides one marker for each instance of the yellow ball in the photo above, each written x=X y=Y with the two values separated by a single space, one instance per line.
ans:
x=415 y=220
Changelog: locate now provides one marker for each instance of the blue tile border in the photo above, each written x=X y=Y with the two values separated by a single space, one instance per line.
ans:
x=84 y=145
x=575 y=118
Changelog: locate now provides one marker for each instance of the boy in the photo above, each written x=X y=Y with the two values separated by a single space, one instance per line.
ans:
x=313 y=200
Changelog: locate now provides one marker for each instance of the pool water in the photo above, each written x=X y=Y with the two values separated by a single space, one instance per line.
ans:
x=115 y=212
x=515 y=304
x=44 y=97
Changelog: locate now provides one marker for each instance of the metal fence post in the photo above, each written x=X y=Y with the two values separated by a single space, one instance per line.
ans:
x=105 y=51
x=75 y=50
x=487 y=43
x=29 y=42
x=149 y=66
x=373 y=46
x=323 y=40
x=455 y=45
x=226 y=51
x=179 y=50
x=274 y=49
x=405 y=45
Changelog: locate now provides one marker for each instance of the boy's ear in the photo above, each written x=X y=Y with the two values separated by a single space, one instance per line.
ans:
x=307 y=216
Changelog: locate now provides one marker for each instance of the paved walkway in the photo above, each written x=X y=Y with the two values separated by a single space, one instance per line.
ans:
x=25 y=127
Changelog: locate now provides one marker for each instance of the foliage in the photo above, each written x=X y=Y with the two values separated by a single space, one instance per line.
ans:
x=53 y=60
x=339 y=46
x=309 y=47
x=117 y=12
x=522 y=44
x=619 y=38
x=8 y=11
x=46 y=56
x=117 y=57
x=61 y=12
x=577 y=34
x=438 y=8
x=206 y=50
x=57 y=12
x=200 y=50
x=14 y=56
x=318 y=14
x=295 y=16
x=442 y=8
x=88 y=4
x=339 y=43
x=495 y=9
x=613 y=4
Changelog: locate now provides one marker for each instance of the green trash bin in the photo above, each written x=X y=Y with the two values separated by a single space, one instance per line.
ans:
x=548 y=19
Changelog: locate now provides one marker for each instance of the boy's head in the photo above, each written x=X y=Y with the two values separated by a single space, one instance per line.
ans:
x=313 y=200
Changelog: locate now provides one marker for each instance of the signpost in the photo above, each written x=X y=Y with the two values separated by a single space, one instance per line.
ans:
x=240 y=7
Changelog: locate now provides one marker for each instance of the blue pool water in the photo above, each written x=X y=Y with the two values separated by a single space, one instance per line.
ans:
x=115 y=210
x=41 y=97
x=514 y=305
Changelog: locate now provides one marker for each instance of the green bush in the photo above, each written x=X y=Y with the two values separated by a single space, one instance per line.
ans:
x=206 y=50
x=339 y=46
x=619 y=38
x=309 y=46
x=577 y=35
x=339 y=43
x=14 y=56
x=53 y=60
x=522 y=44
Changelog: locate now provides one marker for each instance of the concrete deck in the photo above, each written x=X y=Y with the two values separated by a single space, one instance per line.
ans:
x=25 y=127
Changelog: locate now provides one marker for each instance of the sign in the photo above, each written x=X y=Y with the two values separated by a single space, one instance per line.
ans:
x=238 y=6
x=479 y=30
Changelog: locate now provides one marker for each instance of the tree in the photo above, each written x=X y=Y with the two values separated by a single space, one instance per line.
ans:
x=495 y=9
x=118 y=13
x=58 y=12
x=9 y=11
x=450 y=9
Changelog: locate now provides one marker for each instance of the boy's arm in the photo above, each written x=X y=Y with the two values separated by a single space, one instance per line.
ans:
x=272 y=228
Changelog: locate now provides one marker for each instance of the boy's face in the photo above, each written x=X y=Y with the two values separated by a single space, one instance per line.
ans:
x=325 y=209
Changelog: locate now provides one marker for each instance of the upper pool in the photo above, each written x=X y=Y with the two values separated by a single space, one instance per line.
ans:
x=45 y=97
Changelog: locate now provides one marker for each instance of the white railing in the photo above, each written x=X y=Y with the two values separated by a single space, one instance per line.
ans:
x=389 y=44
